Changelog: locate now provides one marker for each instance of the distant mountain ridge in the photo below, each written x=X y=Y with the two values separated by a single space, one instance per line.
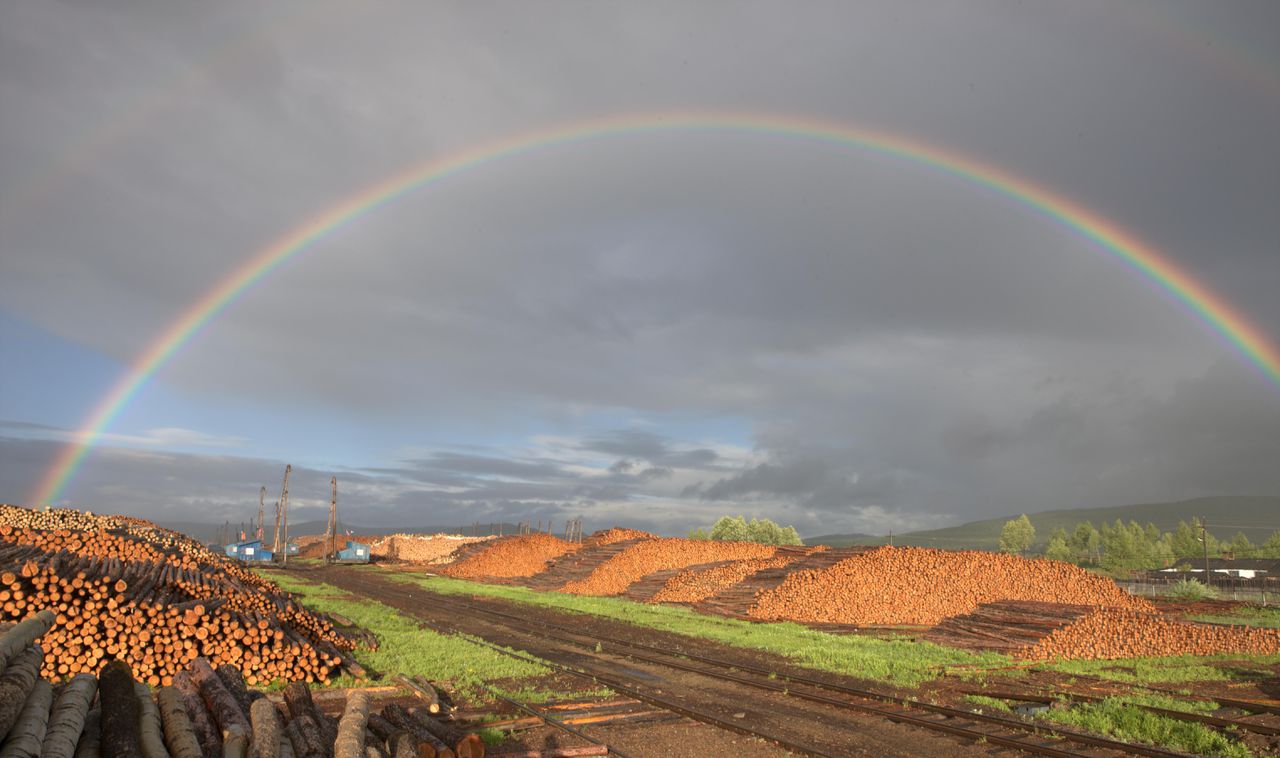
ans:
x=1258 y=516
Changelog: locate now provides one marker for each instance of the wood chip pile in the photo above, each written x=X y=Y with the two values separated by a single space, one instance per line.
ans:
x=692 y=585
x=909 y=585
x=1110 y=633
x=155 y=605
x=519 y=556
x=660 y=554
x=206 y=712
x=420 y=548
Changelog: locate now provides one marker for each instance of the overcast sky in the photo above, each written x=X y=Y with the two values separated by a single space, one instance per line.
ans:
x=653 y=329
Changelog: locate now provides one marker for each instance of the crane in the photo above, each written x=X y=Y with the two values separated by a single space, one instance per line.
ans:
x=282 y=517
x=262 y=495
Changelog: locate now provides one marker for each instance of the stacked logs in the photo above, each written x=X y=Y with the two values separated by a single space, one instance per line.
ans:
x=1112 y=633
x=692 y=585
x=523 y=555
x=614 y=575
x=617 y=534
x=115 y=595
x=908 y=585
x=50 y=519
x=204 y=713
x=419 y=548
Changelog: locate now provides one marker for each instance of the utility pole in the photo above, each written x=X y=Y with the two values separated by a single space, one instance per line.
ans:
x=1204 y=537
x=262 y=496
x=331 y=533
x=284 y=509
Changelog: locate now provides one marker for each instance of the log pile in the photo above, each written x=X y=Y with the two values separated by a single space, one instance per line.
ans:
x=1112 y=633
x=648 y=556
x=155 y=606
x=908 y=585
x=419 y=548
x=1006 y=626
x=617 y=534
x=691 y=586
x=206 y=713
x=519 y=556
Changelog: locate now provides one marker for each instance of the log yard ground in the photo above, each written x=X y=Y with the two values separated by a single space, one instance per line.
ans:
x=120 y=638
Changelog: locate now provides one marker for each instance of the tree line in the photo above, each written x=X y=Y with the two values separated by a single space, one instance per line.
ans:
x=1121 y=547
x=738 y=529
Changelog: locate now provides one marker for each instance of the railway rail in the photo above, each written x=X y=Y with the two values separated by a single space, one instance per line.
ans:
x=969 y=725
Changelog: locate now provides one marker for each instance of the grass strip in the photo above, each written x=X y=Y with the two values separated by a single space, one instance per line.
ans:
x=992 y=703
x=1268 y=618
x=896 y=660
x=406 y=647
x=1168 y=669
x=1117 y=718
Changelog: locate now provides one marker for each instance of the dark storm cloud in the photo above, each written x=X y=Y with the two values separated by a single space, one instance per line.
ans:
x=648 y=446
x=768 y=478
x=892 y=337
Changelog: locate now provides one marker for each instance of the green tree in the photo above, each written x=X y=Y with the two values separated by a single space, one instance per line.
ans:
x=1017 y=535
x=699 y=534
x=1086 y=543
x=1240 y=546
x=1119 y=552
x=764 y=531
x=730 y=528
x=1186 y=541
x=1058 y=549
x=1270 y=548
x=738 y=529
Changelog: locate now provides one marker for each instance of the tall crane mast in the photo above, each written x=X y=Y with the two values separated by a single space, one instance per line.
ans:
x=262 y=496
x=282 y=517
x=331 y=532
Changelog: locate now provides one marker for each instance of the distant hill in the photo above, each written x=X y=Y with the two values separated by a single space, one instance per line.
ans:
x=1257 y=516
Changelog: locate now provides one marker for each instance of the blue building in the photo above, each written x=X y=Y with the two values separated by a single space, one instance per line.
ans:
x=252 y=551
x=356 y=552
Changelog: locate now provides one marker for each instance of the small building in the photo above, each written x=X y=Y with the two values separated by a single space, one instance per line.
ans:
x=251 y=551
x=1237 y=568
x=355 y=552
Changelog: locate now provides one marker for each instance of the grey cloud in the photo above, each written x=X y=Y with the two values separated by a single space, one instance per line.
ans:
x=648 y=446
x=767 y=478
x=882 y=333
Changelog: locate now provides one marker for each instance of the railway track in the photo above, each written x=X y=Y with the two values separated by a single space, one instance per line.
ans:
x=968 y=725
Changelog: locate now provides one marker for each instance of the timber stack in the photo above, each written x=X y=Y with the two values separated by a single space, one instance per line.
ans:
x=206 y=712
x=1057 y=631
x=155 y=605
x=922 y=586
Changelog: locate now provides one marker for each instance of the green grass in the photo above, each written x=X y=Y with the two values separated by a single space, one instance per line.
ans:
x=1163 y=670
x=989 y=703
x=1268 y=617
x=1189 y=589
x=1119 y=719
x=895 y=660
x=405 y=647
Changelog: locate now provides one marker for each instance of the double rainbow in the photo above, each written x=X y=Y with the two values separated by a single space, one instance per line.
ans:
x=1138 y=256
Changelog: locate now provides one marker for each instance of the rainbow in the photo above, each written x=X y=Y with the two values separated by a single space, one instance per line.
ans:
x=1138 y=256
